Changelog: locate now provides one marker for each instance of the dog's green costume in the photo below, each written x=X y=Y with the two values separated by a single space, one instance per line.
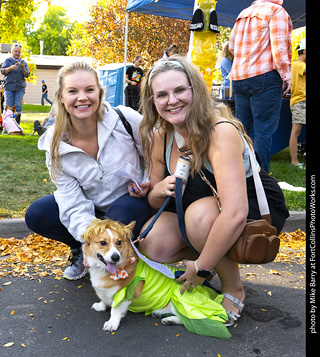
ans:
x=200 y=311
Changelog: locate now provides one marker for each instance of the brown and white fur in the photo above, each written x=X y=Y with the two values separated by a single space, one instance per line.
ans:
x=107 y=248
x=9 y=123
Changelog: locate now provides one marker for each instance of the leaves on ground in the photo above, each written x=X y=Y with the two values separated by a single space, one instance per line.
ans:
x=32 y=256
x=36 y=256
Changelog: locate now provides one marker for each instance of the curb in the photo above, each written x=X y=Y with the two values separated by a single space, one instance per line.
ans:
x=17 y=228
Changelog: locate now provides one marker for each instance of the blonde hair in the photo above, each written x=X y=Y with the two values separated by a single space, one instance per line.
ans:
x=98 y=226
x=63 y=124
x=201 y=119
x=226 y=53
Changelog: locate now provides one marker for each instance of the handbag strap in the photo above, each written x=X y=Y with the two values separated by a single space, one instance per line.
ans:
x=261 y=195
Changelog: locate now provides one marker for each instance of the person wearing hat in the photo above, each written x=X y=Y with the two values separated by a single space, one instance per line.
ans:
x=298 y=101
x=45 y=93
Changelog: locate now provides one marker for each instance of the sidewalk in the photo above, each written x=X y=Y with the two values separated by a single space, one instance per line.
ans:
x=17 y=228
x=53 y=318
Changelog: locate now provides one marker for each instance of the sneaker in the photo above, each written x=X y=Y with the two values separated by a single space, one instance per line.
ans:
x=76 y=269
x=38 y=128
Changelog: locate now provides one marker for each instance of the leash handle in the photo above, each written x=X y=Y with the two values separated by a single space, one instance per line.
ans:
x=180 y=215
x=143 y=235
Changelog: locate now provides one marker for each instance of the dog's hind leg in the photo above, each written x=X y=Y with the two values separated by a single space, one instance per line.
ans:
x=171 y=320
x=99 y=306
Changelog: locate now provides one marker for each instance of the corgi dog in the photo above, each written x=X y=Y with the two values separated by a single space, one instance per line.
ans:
x=126 y=280
x=9 y=122
x=112 y=265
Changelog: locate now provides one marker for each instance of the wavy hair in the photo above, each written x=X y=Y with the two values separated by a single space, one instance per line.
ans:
x=200 y=120
x=63 y=124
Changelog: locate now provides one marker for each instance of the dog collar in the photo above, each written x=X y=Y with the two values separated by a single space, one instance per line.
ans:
x=122 y=273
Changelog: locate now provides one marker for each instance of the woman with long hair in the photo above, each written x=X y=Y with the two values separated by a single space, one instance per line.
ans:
x=179 y=118
x=93 y=160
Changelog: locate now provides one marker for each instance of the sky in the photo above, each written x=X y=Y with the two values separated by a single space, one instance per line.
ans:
x=76 y=9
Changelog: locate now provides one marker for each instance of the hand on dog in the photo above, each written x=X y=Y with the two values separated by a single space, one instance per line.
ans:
x=191 y=278
x=135 y=192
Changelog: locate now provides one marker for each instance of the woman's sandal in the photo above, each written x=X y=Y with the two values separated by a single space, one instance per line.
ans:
x=233 y=316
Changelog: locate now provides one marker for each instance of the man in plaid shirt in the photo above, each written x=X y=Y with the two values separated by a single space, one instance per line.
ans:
x=261 y=70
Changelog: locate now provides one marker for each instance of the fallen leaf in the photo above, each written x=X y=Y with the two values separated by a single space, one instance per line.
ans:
x=9 y=344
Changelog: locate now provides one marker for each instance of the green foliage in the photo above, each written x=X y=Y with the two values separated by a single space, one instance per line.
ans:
x=14 y=17
x=55 y=30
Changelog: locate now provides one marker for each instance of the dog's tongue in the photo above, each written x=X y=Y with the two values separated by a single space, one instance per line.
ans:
x=112 y=268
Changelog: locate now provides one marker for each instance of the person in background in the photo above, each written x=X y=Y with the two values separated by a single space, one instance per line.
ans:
x=44 y=95
x=170 y=51
x=134 y=76
x=298 y=101
x=15 y=71
x=261 y=72
x=94 y=162
x=49 y=120
x=225 y=65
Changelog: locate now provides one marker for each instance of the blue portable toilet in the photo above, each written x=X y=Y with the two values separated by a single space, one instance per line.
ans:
x=111 y=79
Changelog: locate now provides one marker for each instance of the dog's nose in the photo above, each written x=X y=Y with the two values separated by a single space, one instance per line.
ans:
x=115 y=257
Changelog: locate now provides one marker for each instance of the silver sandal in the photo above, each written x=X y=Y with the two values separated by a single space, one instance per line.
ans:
x=233 y=316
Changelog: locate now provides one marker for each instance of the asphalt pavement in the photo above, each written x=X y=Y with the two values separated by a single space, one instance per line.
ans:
x=53 y=318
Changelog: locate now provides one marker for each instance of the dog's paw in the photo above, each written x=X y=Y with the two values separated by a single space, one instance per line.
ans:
x=156 y=313
x=111 y=325
x=99 y=306
x=171 y=320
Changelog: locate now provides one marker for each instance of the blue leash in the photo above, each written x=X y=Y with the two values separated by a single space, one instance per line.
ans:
x=182 y=226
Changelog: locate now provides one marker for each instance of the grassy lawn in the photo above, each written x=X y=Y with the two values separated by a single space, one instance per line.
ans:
x=24 y=176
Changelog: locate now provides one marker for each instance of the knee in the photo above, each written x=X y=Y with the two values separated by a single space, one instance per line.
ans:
x=35 y=216
x=32 y=216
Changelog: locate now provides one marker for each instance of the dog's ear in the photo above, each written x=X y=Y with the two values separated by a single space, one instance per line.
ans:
x=14 y=107
x=131 y=225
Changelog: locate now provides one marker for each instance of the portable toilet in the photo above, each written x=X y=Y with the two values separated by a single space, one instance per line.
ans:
x=111 y=79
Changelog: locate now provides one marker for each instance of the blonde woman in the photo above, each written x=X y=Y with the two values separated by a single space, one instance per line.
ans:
x=93 y=161
x=226 y=64
x=176 y=104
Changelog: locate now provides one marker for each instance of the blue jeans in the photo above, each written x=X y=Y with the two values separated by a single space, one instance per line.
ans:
x=45 y=97
x=14 y=98
x=42 y=217
x=258 y=106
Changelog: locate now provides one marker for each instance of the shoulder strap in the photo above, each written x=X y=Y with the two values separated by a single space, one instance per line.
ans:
x=125 y=122
x=261 y=195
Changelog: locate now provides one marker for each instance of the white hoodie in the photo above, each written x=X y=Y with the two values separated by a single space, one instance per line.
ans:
x=85 y=183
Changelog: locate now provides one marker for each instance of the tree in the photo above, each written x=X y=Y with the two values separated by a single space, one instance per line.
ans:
x=55 y=31
x=149 y=35
x=14 y=15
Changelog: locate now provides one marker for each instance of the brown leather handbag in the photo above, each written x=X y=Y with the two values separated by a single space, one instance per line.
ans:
x=258 y=243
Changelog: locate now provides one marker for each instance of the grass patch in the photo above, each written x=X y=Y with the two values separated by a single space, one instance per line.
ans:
x=25 y=178
x=24 y=175
x=282 y=170
x=35 y=108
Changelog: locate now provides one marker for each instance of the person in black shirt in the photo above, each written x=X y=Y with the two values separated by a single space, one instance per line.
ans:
x=134 y=76
x=45 y=93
